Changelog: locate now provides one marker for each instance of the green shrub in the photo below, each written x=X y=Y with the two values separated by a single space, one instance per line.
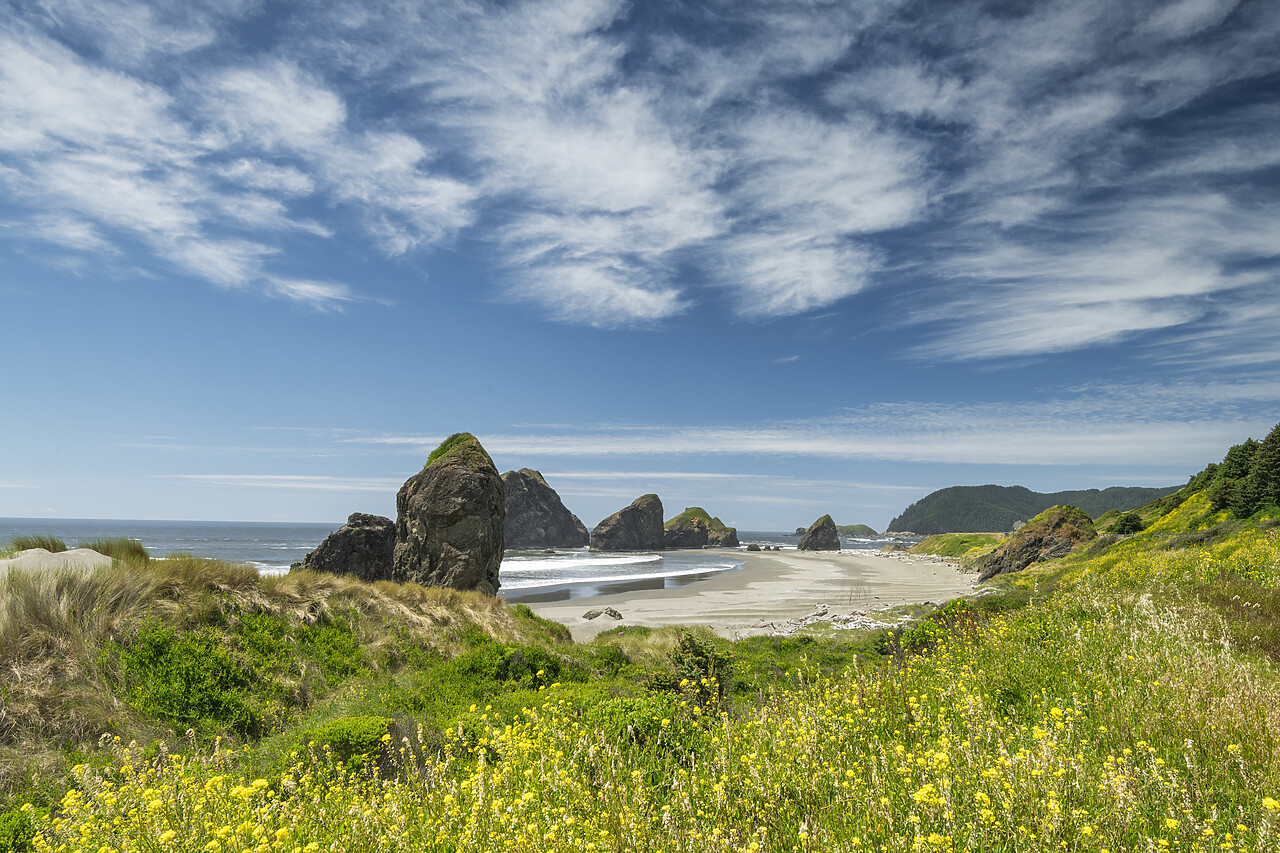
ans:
x=527 y=667
x=642 y=721
x=609 y=658
x=334 y=646
x=702 y=668
x=188 y=680
x=16 y=832
x=355 y=741
x=1129 y=522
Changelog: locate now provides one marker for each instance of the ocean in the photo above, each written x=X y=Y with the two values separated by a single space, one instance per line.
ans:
x=272 y=547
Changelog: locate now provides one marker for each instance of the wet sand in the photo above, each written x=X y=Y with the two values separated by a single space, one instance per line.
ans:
x=770 y=589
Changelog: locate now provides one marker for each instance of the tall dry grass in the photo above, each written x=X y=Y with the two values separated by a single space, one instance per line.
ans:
x=55 y=625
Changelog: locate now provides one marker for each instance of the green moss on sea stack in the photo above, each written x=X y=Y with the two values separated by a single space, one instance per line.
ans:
x=687 y=517
x=462 y=447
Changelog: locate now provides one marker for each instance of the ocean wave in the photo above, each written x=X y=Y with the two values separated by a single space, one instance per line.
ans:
x=559 y=581
x=524 y=565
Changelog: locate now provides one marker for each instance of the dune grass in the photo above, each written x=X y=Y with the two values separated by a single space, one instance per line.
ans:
x=51 y=544
x=119 y=548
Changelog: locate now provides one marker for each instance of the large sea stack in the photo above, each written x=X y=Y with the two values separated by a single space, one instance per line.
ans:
x=364 y=547
x=821 y=536
x=536 y=518
x=637 y=527
x=1053 y=533
x=696 y=528
x=449 y=519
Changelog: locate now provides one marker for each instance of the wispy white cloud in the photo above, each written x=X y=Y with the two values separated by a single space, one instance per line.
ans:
x=130 y=32
x=286 y=481
x=1145 y=265
x=109 y=157
x=1105 y=425
x=626 y=167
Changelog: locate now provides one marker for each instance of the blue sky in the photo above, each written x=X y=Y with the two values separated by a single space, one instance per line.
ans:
x=775 y=259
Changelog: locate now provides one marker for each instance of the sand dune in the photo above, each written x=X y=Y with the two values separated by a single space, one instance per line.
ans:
x=39 y=558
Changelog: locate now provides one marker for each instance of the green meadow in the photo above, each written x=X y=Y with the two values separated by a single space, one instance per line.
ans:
x=1125 y=697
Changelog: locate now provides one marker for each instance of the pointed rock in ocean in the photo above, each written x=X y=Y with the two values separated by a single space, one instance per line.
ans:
x=821 y=536
x=536 y=517
x=449 y=519
x=363 y=547
x=637 y=527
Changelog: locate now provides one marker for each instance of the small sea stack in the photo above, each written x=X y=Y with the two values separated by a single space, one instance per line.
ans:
x=637 y=527
x=697 y=528
x=821 y=536
x=362 y=547
x=536 y=517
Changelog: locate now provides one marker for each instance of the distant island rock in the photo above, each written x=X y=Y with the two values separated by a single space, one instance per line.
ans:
x=696 y=528
x=995 y=509
x=799 y=531
x=536 y=517
x=821 y=536
x=363 y=547
x=859 y=530
x=637 y=527
x=1053 y=533
x=449 y=519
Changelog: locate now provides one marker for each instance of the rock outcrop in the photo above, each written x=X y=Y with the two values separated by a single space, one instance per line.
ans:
x=821 y=536
x=859 y=530
x=637 y=527
x=696 y=528
x=449 y=519
x=1056 y=532
x=363 y=547
x=536 y=517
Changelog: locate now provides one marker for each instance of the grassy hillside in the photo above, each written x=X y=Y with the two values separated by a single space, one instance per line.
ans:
x=959 y=546
x=1126 y=697
x=977 y=509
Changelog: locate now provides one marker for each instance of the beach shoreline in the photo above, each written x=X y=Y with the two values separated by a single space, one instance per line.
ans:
x=772 y=593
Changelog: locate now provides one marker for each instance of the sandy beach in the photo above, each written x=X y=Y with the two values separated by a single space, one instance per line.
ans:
x=772 y=589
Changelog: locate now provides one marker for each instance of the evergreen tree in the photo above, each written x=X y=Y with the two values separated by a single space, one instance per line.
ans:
x=1262 y=487
x=1130 y=522
x=1239 y=461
